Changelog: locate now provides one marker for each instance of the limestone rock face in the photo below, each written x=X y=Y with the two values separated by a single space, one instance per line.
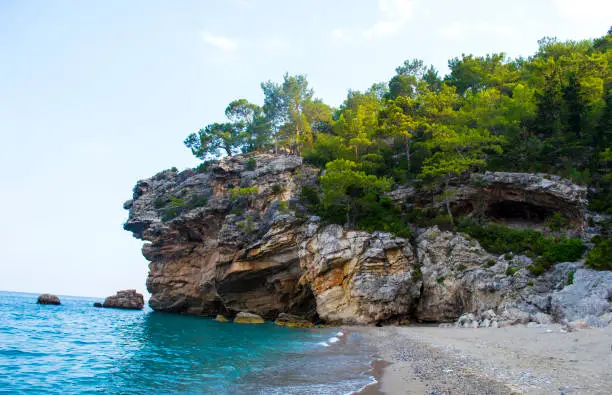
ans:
x=358 y=277
x=48 y=299
x=128 y=299
x=230 y=240
x=248 y=318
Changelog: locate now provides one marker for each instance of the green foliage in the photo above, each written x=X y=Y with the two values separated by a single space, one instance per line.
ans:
x=416 y=274
x=250 y=164
x=277 y=189
x=196 y=201
x=283 y=207
x=460 y=267
x=159 y=202
x=530 y=283
x=249 y=191
x=511 y=270
x=170 y=213
x=176 y=202
x=490 y=263
x=600 y=256
x=566 y=250
x=570 y=278
x=310 y=196
x=501 y=239
x=557 y=222
x=247 y=226
x=440 y=280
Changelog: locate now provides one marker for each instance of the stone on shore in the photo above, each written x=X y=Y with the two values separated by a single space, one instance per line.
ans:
x=294 y=321
x=48 y=299
x=128 y=299
x=97 y=304
x=248 y=318
x=221 y=318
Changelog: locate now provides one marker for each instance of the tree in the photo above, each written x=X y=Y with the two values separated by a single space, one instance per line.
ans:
x=457 y=149
x=210 y=140
x=345 y=189
x=249 y=119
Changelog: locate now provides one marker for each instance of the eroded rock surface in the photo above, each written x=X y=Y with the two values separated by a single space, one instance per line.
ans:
x=48 y=299
x=232 y=240
x=128 y=299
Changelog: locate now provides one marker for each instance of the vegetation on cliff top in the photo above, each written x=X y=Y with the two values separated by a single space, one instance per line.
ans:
x=550 y=112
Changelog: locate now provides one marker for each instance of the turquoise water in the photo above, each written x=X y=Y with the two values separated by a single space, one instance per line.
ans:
x=76 y=348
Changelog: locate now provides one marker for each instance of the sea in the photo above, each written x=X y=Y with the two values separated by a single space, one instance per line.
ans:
x=76 y=348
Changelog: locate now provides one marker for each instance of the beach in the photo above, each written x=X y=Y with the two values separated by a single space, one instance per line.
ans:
x=518 y=359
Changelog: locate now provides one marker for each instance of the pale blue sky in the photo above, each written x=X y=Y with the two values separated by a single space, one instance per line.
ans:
x=96 y=95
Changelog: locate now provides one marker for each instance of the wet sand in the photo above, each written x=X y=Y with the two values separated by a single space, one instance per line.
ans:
x=511 y=360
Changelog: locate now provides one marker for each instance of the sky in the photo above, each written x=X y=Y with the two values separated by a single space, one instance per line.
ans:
x=97 y=95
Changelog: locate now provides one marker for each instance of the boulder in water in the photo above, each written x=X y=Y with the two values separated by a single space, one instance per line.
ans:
x=97 y=304
x=127 y=299
x=221 y=318
x=248 y=318
x=294 y=321
x=48 y=299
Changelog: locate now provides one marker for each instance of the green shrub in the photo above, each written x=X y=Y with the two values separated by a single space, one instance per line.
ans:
x=176 y=202
x=203 y=167
x=600 y=256
x=507 y=256
x=196 y=201
x=570 y=278
x=159 y=202
x=501 y=239
x=511 y=270
x=490 y=263
x=246 y=226
x=416 y=274
x=250 y=164
x=460 y=267
x=556 y=222
x=283 y=207
x=441 y=279
x=567 y=250
x=170 y=213
x=309 y=196
x=236 y=192
x=530 y=283
x=277 y=189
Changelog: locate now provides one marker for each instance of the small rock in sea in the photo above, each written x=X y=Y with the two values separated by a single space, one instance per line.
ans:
x=221 y=318
x=127 y=299
x=97 y=304
x=294 y=321
x=248 y=318
x=48 y=299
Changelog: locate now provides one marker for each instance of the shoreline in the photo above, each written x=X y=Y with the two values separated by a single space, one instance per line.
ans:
x=512 y=360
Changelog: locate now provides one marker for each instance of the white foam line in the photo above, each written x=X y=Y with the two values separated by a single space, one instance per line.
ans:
x=323 y=344
x=333 y=340
x=340 y=334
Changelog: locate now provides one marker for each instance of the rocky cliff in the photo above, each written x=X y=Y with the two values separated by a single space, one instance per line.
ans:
x=236 y=237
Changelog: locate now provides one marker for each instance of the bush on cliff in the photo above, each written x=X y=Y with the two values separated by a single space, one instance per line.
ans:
x=600 y=256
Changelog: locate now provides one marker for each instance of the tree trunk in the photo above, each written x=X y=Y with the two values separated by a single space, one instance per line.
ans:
x=408 y=152
x=447 y=203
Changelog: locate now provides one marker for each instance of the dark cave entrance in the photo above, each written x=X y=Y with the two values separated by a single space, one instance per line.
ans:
x=518 y=213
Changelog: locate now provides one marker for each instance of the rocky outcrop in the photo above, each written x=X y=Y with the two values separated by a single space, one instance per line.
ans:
x=293 y=321
x=248 y=318
x=230 y=240
x=48 y=299
x=128 y=299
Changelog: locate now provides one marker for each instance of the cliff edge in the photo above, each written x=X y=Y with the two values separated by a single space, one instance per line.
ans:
x=238 y=237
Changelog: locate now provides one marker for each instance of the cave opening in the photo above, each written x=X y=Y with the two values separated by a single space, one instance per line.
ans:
x=518 y=213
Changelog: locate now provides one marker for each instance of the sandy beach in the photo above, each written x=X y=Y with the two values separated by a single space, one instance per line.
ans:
x=510 y=360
